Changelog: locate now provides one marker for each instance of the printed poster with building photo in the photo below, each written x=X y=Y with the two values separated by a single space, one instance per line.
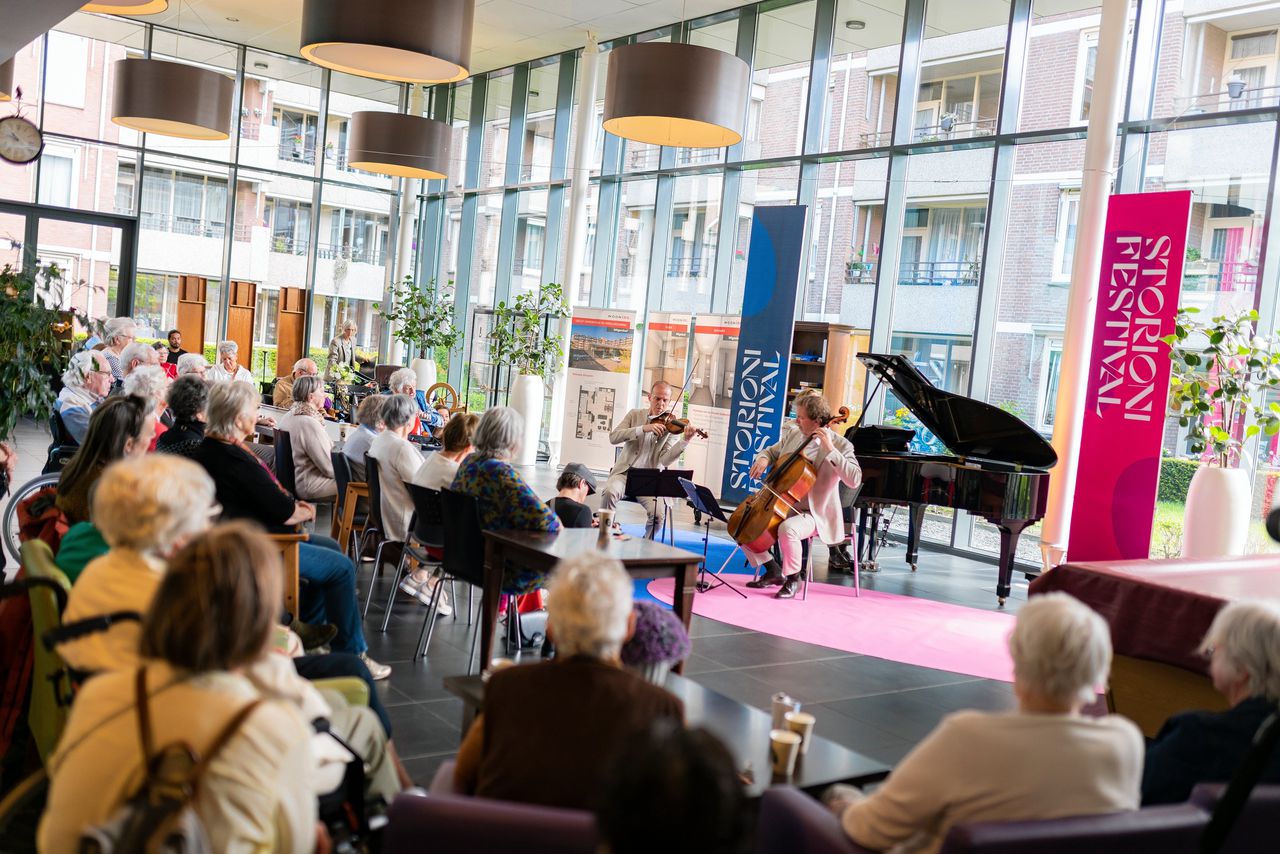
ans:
x=715 y=346
x=601 y=345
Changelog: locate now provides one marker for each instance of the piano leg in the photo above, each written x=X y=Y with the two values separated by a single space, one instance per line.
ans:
x=915 y=521
x=868 y=537
x=1009 y=533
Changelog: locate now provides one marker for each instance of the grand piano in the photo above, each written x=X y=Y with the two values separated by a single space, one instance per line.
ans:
x=998 y=467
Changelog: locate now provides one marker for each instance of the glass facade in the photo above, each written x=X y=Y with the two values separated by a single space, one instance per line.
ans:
x=938 y=146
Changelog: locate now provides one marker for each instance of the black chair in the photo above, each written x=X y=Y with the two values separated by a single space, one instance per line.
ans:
x=285 y=472
x=426 y=531
x=62 y=448
x=463 y=550
x=374 y=527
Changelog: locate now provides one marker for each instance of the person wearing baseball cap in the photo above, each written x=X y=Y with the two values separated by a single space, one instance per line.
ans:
x=575 y=484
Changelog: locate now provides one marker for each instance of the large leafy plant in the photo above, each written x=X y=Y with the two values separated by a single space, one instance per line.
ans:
x=517 y=337
x=1222 y=370
x=423 y=318
x=34 y=343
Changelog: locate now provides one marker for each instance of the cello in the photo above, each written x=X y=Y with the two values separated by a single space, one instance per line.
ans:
x=754 y=523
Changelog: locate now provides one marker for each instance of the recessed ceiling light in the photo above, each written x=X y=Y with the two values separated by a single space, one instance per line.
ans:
x=233 y=20
x=260 y=65
x=534 y=93
x=855 y=25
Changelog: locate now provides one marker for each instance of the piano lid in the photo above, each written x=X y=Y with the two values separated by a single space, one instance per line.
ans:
x=968 y=427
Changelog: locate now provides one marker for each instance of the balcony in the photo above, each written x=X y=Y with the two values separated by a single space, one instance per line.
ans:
x=333 y=252
x=939 y=273
x=1244 y=98
x=183 y=225
x=1207 y=277
x=691 y=267
x=294 y=150
x=250 y=129
x=286 y=245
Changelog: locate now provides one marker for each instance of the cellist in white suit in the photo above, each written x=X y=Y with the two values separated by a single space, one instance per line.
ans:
x=820 y=513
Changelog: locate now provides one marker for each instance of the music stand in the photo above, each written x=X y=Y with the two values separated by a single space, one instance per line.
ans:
x=655 y=484
x=704 y=502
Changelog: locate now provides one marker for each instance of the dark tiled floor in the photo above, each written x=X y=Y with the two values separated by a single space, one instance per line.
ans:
x=878 y=707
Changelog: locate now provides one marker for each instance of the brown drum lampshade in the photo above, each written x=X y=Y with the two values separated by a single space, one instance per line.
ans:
x=676 y=94
x=126 y=7
x=6 y=80
x=418 y=41
x=169 y=98
x=399 y=145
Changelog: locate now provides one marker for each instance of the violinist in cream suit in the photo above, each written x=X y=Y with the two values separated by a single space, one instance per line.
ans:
x=820 y=511
x=645 y=445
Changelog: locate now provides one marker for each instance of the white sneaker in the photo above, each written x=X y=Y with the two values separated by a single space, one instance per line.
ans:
x=423 y=594
x=376 y=670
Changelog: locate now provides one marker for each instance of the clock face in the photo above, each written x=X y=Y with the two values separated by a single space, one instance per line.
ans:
x=20 y=140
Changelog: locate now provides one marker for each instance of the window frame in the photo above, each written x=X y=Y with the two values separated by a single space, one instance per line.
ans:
x=1068 y=197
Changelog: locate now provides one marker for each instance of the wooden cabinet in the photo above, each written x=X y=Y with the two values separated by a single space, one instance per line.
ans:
x=290 y=329
x=822 y=357
x=240 y=315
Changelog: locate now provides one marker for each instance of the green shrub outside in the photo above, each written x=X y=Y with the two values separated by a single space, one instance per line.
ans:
x=1175 y=478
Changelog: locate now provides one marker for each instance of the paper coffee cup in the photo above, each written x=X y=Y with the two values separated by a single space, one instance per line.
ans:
x=606 y=525
x=801 y=723
x=784 y=747
x=781 y=705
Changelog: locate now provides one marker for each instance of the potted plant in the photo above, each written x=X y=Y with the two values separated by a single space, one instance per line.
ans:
x=658 y=643
x=424 y=324
x=35 y=343
x=517 y=340
x=1221 y=373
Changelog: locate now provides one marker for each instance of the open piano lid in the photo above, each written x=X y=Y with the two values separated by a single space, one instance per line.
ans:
x=968 y=427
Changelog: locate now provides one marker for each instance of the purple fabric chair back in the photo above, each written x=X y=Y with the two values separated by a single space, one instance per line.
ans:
x=1257 y=828
x=791 y=822
x=1171 y=829
x=416 y=823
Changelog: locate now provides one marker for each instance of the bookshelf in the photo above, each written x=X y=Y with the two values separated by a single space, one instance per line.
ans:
x=822 y=357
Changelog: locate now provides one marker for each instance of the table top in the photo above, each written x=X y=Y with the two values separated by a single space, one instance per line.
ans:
x=745 y=731
x=633 y=551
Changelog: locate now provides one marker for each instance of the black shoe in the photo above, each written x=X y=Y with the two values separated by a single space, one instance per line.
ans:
x=772 y=577
x=313 y=636
x=789 y=587
x=837 y=560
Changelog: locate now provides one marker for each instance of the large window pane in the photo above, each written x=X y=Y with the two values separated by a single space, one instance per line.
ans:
x=691 y=243
x=1227 y=60
x=497 y=126
x=347 y=95
x=539 y=123
x=844 y=257
x=758 y=188
x=634 y=247
x=780 y=81
x=484 y=262
x=80 y=74
x=354 y=256
x=722 y=37
x=960 y=70
x=864 y=74
x=531 y=242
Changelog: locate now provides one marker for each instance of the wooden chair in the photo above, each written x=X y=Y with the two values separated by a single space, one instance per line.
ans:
x=455 y=405
x=347 y=521
x=289 y=553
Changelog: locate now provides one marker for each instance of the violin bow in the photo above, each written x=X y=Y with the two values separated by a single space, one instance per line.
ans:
x=677 y=395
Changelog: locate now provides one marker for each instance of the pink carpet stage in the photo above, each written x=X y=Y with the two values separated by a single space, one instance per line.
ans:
x=884 y=625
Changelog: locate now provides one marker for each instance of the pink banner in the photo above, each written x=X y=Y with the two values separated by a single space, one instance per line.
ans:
x=1119 y=463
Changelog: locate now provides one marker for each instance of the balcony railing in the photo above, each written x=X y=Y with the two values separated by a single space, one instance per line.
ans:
x=1246 y=98
x=1214 y=276
x=295 y=151
x=333 y=252
x=954 y=130
x=289 y=245
x=939 y=273
x=693 y=267
x=860 y=273
x=183 y=225
x=250 y=128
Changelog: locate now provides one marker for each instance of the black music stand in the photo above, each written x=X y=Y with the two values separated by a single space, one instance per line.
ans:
x=655 y=484
x=706 y=504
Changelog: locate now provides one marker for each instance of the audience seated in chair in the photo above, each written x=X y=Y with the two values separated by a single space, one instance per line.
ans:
x=428 y=421
x=1045 y=760
x=369 y=416
x=121 y=427
x=674 y=789
x=192 y=363
x=150 y=383
x=282 y=393
x=205 y=642
x=227 y=368
x=505 y=500
x=440 y=468
x=188 y=396
x=85 y=384
x=1243 y=646
x=247 y=489
x=576 y=482
x=312 y=465
x=549 y=732
x=117 y=333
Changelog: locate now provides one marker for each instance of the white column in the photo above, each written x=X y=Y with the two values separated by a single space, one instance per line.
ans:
x=575 y=243
x=409 y=190
x=1099 y=152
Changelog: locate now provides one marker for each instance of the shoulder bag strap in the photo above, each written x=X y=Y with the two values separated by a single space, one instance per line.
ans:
x=144 y=717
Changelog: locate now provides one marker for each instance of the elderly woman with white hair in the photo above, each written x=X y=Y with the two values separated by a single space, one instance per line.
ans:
x=405 y=381
x=505 y=499
x=118 y=333
x=247 y=489
x=585 y=703
x=342 y=350
x=137 y=355
x=312 y=463
x=1243 y=647
x=228 y=368
x=1044 y=760
x=85 y=384
x=150 y=383
x=192 y=363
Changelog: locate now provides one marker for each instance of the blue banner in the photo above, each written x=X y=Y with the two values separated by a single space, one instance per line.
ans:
x=764 y=345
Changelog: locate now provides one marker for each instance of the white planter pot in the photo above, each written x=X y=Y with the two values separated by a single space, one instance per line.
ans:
x=426 y=372
x=1216 y=520
x=526 y=398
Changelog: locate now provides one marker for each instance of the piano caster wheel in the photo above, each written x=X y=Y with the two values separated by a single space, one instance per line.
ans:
x=869 y=566
x=913 y=567
x=1000 y=601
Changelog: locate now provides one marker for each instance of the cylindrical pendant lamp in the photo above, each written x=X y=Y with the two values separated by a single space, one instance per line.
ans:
x=676 y=94
x=6 y=79
x=418 y=41
x=399 y=145
x=126 y=7
x=169 y=98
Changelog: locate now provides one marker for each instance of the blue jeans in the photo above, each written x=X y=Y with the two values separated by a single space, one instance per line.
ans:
x=329 y=596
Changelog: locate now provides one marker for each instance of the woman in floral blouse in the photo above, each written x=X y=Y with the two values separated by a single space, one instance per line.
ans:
x=505 y=499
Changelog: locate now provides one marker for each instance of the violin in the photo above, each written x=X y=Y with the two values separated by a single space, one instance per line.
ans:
x=675 y=425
